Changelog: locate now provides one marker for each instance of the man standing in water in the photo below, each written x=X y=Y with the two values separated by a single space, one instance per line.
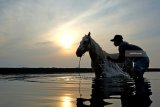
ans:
x=135 y=53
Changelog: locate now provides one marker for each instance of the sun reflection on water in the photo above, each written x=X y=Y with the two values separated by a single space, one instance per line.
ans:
x=66 y=101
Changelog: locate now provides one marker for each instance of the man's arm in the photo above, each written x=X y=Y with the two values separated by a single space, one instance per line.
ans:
x=120 y=59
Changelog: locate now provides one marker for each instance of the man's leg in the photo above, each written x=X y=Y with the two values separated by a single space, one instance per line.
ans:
x=139 y=74
x=140 y=66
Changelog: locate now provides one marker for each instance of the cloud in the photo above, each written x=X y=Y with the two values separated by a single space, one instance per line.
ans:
x=29 y=28
x=44 y=43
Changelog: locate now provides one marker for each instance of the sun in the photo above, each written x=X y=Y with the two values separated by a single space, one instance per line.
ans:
x=66 y=41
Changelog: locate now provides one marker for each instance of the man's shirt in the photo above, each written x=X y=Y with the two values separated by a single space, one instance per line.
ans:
x=125 y=48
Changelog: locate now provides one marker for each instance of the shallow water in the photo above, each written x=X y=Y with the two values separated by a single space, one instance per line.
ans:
x=78 y=90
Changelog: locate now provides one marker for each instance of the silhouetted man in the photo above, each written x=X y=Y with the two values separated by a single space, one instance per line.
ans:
x=135 y=53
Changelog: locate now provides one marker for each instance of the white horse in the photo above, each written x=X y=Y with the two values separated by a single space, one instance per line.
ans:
x=99 y=63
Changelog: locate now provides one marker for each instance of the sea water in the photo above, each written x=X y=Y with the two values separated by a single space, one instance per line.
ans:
x=78 y=90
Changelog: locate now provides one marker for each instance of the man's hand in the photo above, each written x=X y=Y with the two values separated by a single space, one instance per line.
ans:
x=109 y=58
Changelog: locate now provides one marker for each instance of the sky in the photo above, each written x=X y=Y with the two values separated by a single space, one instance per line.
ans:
x=46 y=33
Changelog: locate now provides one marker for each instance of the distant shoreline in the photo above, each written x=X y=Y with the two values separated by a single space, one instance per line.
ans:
x=53 y=70
x=43 y=70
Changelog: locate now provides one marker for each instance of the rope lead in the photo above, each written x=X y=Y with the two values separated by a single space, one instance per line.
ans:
x=79 y=62
x=80 y=78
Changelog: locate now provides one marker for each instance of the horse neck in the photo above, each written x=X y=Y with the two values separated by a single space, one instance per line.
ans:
x=96 y=51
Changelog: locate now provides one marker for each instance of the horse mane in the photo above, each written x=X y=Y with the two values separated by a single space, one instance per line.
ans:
x=100 y=51
x=96 y=53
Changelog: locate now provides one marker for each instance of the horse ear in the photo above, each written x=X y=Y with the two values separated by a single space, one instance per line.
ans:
x=89 y=34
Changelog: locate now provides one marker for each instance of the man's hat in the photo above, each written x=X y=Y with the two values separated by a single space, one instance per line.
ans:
x=117 y=37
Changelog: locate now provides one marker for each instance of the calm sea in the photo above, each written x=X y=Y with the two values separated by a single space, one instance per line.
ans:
x=78 y=90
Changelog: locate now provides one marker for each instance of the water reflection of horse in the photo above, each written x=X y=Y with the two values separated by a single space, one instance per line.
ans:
x=130 y=93
x=97 y=55
x=102 y=90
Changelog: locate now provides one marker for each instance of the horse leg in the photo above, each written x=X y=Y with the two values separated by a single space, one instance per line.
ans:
x=98 y=72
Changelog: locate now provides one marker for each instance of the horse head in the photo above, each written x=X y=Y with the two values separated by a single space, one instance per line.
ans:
x=84 y=46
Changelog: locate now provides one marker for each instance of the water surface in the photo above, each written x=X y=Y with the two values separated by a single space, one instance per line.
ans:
x=78 y=90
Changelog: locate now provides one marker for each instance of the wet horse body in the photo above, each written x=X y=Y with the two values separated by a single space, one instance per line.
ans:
x=97 y=55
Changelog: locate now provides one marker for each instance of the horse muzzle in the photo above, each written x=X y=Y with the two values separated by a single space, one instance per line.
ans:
x=79 y=53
